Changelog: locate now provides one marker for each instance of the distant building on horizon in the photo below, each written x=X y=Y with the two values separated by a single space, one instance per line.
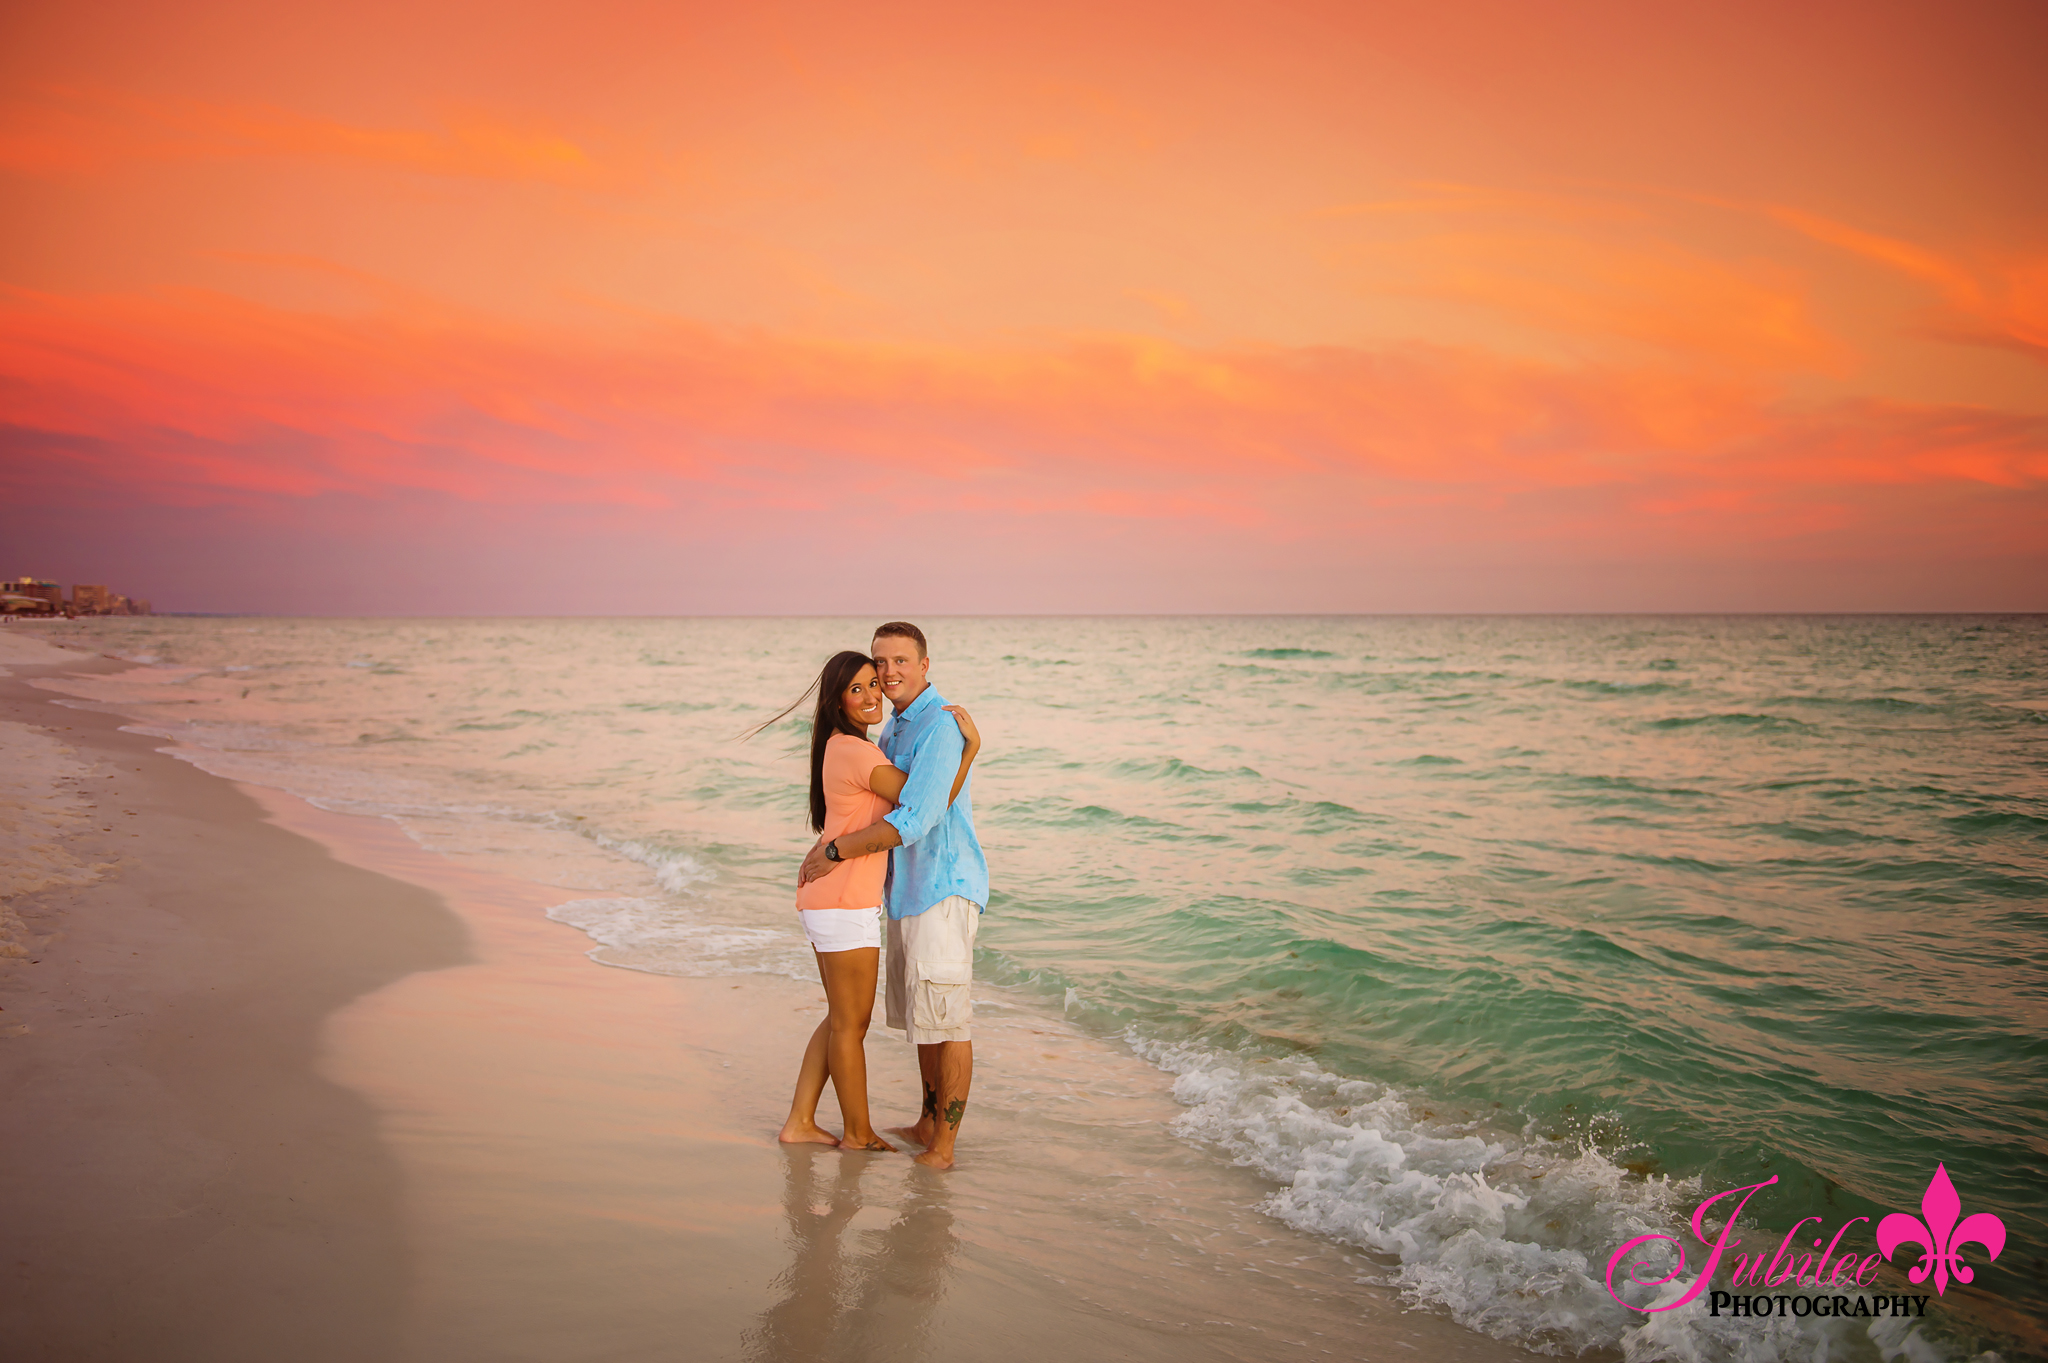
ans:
x=28 y=595
x=16 y=597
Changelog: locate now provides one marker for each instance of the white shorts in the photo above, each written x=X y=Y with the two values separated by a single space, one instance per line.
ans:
x=931 y=972
x=842 y=929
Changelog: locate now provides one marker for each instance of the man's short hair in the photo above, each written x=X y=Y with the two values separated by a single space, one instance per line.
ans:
x=903 y=629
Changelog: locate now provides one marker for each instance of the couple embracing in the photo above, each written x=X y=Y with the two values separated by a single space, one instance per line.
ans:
x=897 y=846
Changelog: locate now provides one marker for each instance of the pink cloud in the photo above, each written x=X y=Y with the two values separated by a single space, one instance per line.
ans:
x=199 y=397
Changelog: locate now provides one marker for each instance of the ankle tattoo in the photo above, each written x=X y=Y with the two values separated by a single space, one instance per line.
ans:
x=955 y=1110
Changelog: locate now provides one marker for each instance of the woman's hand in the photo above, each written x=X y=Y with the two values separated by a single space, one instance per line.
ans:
x=966 y=723
x=805 y=864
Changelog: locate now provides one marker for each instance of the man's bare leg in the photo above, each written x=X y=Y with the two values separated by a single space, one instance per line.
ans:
x=925 y=1129
x=949 y=1070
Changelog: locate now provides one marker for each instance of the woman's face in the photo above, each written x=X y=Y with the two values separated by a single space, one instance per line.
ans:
x=863 y=698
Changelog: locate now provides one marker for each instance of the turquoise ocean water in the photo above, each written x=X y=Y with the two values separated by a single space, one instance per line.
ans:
x=1489 y=940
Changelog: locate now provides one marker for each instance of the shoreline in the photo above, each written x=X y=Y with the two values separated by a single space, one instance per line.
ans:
x=179 y=1180
x=378 y=1087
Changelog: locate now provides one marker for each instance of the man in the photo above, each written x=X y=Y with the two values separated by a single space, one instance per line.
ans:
x=937 y=888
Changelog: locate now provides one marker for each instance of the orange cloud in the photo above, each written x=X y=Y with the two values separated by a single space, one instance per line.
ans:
x=1171 y=307
x=1682 y=303
x=2005 y=304
x=1431 y=200
x=72 y=131
x=200 y=398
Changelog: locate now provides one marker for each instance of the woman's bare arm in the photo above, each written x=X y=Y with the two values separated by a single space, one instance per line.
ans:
x=887 y=782
x=973 y=737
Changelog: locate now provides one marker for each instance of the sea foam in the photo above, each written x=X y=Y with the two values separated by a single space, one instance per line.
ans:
x=668 y=939
x=675 y=871
x=1507 y=1231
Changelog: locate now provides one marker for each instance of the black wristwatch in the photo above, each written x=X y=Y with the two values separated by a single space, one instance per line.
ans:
x=832 y=850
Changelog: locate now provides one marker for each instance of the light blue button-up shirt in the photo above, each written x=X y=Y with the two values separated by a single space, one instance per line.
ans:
x=940 y=855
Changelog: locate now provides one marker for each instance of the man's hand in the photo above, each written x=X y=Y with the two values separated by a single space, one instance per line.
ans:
x=816 y=865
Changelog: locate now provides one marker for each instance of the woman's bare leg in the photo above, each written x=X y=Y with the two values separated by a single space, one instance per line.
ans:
x=803 y=1125
x=850 y=1003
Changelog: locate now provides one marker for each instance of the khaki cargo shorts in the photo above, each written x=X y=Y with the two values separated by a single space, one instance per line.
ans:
x=931 y=972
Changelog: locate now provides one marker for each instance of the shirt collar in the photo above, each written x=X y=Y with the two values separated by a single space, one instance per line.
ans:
x=914 y=711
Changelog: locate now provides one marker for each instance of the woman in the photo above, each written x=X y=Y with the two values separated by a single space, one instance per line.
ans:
x=852 y=785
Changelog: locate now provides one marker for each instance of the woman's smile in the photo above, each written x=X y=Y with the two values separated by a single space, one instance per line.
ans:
x=863 y=698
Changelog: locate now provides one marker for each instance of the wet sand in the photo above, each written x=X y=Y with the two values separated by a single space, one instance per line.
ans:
x=178 y=1179
x=293 y=1087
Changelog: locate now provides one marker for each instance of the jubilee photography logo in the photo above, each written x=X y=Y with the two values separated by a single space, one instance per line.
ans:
x=1940 y=1231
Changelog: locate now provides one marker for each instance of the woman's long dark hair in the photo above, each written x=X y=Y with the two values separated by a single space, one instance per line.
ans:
x=838 y=674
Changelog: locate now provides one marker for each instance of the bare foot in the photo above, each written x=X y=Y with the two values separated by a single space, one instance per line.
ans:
x=932 y=1159
x=805 y=1133
x=916 y=1135
x=874 y=1143
x=924 y=1130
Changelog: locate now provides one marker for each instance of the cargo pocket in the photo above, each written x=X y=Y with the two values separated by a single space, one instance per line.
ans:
x=939 y=999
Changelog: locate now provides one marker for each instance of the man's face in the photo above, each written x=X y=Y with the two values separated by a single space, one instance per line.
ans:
x=901 y=669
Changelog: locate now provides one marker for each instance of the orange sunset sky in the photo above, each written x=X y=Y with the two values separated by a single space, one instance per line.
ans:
x=810 y=308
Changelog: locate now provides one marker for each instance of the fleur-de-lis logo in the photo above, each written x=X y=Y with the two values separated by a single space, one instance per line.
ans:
x=1939 y=1235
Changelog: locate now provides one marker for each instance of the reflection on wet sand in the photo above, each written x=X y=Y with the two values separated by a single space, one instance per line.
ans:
x=870 y=1295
